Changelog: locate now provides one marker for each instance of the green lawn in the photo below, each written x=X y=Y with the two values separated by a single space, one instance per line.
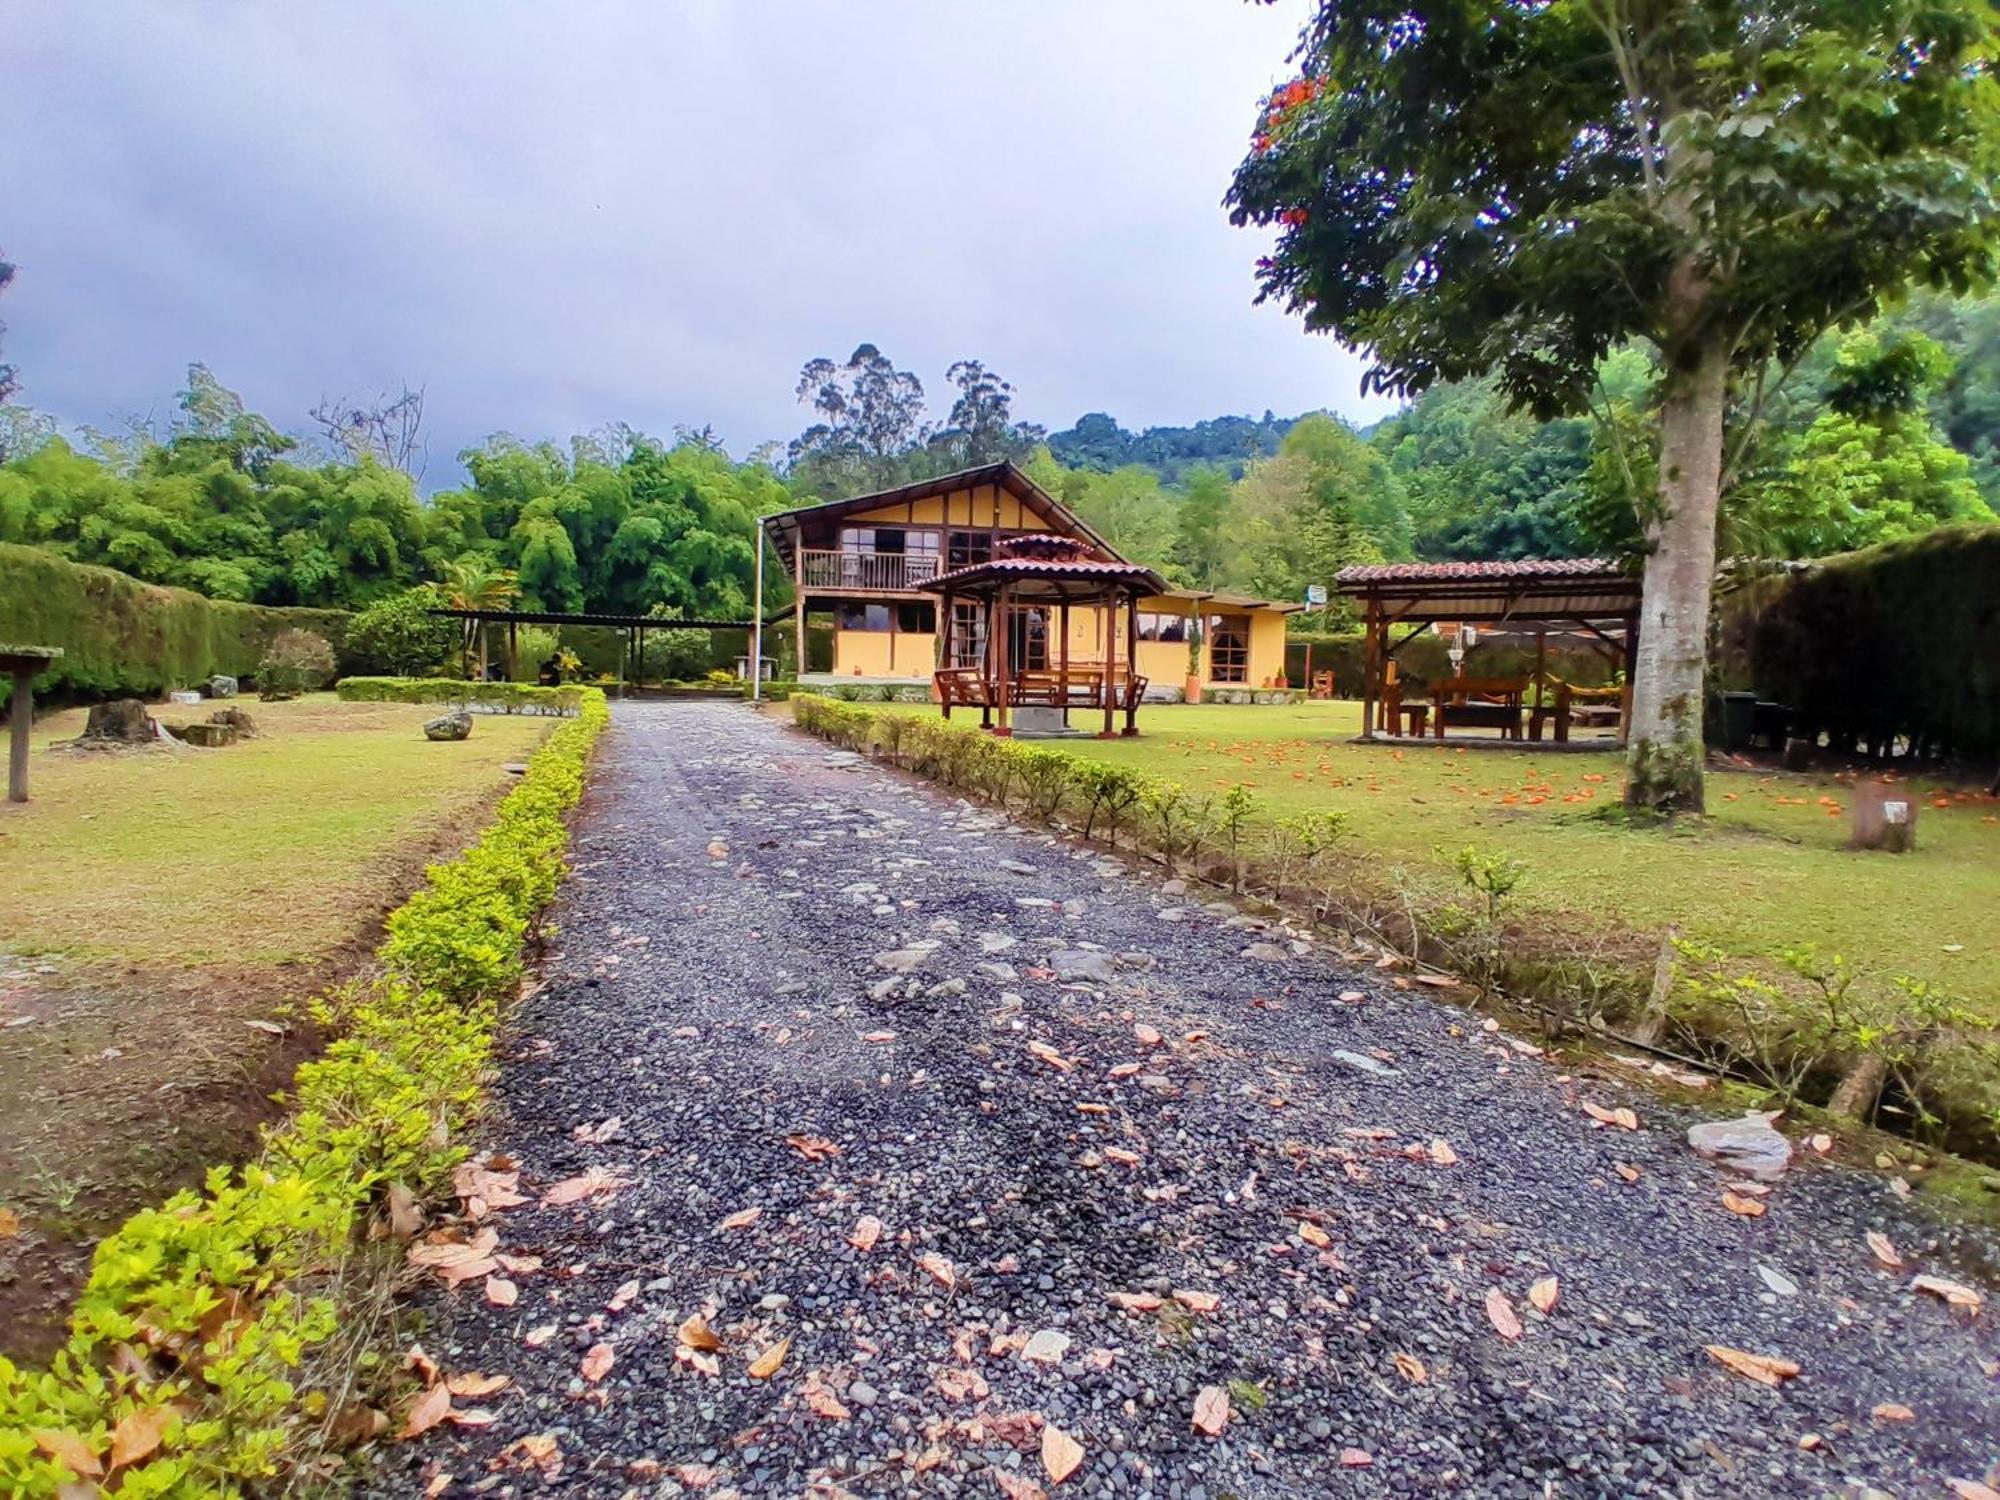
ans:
x=1767 y=869
x=275 y=850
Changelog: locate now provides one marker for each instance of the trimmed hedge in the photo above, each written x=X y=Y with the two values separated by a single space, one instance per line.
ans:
x=1900 y=641
x=508 y=697
x=123 y=637
x=186 y=1346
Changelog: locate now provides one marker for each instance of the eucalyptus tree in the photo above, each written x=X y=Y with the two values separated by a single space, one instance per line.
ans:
x=1520 y=187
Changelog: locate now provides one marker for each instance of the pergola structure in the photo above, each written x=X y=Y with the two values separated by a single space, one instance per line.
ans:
x=1004 y=633
x=1589 y=596
x=631 y=628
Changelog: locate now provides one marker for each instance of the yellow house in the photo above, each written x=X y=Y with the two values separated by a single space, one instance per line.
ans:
x=865 y=562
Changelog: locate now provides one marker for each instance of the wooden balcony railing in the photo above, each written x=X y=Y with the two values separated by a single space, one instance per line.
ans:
x=866 y=570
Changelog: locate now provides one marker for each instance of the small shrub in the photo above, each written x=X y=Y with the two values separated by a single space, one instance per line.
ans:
x=399 y=636
x=296 y=661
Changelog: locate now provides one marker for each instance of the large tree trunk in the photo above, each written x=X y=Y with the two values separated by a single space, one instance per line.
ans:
x=1664 y=762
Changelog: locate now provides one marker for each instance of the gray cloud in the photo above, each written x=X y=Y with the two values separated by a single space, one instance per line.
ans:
x=557 y=216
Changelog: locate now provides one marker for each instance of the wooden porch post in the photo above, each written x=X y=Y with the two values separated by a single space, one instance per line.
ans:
x=1131 y=664
x=23 y=719
x=799 y=606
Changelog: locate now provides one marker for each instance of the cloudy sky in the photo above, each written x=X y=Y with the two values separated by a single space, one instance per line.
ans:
x=554 y=216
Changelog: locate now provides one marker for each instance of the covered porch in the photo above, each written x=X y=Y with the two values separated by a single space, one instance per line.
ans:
x=1007 y=647
x=1589 y=599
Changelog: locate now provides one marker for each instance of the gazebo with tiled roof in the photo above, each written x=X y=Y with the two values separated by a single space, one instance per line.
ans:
x=1593 y=596
x=994 y=618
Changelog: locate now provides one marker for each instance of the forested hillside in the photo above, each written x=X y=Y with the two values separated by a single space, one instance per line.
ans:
x=1880 y=433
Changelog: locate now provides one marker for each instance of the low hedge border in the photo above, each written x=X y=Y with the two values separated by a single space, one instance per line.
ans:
x=182 y=1372
x=506 y=697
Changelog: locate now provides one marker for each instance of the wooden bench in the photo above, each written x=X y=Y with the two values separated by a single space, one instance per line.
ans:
x=1479 y=702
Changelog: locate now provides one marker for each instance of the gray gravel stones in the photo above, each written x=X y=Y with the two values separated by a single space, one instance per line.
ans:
x=1090 y=1162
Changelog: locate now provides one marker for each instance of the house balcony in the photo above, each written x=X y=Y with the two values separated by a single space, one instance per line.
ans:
x=887 y=572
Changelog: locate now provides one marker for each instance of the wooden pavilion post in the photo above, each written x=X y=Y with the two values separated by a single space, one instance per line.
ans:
x=944 y=648
x=1003 y=726
x=1062 y=616
x=1541 y=702
x=1371 y=666
x=1131 y=664
x=1109 y=615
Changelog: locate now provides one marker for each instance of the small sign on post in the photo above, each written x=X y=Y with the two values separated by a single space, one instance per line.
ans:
x=1316 y=595
x=1885 y=817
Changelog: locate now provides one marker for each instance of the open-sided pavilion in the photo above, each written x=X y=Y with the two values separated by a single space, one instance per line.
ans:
x=1591 y=597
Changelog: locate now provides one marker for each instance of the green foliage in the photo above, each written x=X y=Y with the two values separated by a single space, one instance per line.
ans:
x=122 y=636
x=1917 y=622
x=223 y=1292
x=511 y=697
x=399 y=636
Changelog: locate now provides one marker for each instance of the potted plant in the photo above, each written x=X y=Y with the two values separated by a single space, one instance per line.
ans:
x=1191 y=689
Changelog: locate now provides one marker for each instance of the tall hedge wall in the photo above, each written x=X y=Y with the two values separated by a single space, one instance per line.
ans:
x=119 y=635
x=1900 y=640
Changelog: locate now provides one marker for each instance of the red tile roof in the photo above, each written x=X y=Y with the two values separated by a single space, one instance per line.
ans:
x=1067 y=567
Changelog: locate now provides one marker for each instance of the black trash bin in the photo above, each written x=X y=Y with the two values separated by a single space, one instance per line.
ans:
x=1739 y=720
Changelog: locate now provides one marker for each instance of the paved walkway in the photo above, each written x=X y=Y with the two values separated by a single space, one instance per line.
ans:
x=1117 y=1150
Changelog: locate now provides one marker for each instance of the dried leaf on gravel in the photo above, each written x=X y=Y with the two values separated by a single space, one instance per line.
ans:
x=1442 y=1155
x=1411 y=1368
x=1749 y=1208
x=765 y=1365
x=1954 y=1293
x=1044 y=1052
x=138 y=1434
x=623 y=1298
x=440 y=1252
x=1135 y=1301
x=471 y=1270
x=1147 y=1036
x=1884 y=1251
x=1543 y=1294
x=501 y=1292
x=1061 y=1453
x=1313 y=1235
x=939 y=1269
x=1626 y=1170
x=470 y=1384
x=1018 y=1486
x=1972 y=1489
x=598 y=1182
x=69 y=1450
x=867 y=1230
x=1356 y=1458
x=598 y=1134
x=1765 y=1369
x=961 y=1385
x=813 y=1147
x=427 y=1411
x=1500 y=1312
x=743 y=1218
x=696 y=1334
x=878 y=1038
x=597 y=1362
x=1211 y=1410
x=534 y=1338
x=1624 y=1119
x=1893 y=1411
x=822 y=1401
x=406 y=1216
x=1194 y=1301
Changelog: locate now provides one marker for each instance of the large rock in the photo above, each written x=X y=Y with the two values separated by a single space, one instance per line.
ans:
x=236 y=719
x=208 y=736
x=456 y=725
x=1748 y=1145
x=122 y=721
x=221 y=686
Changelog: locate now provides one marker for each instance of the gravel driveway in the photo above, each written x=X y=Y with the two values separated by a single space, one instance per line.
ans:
x=1123 y=1148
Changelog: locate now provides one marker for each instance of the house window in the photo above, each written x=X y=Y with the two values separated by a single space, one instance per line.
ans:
x=1228 y=649
x=863 y=617
x=969 y=547
x=1155 y=627
x=968 y=634
x=917 y=619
